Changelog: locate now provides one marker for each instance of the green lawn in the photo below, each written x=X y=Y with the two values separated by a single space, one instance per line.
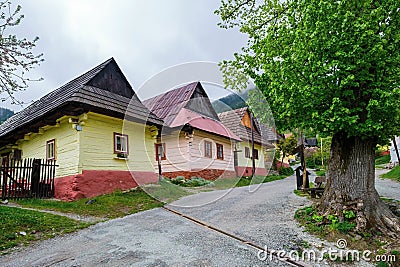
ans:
x=243 y=181
x=382 y=160
x=108 y=206
x=393 y=174
x=321 y=172
x=19 y=226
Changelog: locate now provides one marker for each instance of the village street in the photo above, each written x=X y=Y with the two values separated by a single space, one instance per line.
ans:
x=158 y=237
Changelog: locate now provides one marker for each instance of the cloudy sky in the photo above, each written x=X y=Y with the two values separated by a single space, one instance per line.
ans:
x=145 y=37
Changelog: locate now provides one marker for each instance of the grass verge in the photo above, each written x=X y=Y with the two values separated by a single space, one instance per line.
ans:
x=227 y=183
x=393 y=174
x=329 y=228
x=382 y=160
x=19 y=226
x=106 y=206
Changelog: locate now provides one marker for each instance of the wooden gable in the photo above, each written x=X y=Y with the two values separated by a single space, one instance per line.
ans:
x=246 y=121
x=111 y=79
x=200 y=103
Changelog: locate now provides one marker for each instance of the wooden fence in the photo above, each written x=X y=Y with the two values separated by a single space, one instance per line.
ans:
x=27 y=178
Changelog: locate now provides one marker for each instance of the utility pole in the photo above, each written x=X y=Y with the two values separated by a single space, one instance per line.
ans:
x=303 y=163
x=397 y=151
x=322 y=154
x=252 y=146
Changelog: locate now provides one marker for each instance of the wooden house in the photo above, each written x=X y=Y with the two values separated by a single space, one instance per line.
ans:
x=241 y=123
x=195 y=143
x=95 y=127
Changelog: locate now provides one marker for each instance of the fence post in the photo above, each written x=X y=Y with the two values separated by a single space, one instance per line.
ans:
x=4 y=182
x=35 y=177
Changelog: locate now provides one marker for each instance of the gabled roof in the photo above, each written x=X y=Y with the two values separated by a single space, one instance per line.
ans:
x=103 y=89
x=233 y=120
x=188 y=105
x=191 y=96
x=311 y=142
x=269 y=133
x=198 y=121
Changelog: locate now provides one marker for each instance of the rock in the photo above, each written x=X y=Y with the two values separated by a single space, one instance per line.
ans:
x=90 y=201
x=397 y=212
x=358 y=237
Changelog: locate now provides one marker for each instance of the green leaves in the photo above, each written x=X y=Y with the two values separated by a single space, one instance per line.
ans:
x=329 y=65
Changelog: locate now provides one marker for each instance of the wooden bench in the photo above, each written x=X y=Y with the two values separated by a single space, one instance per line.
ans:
x=319 y=188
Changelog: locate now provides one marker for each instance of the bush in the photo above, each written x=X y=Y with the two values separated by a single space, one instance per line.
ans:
x=196 y=181
x=192 y=182
x=313 y=162
x=382 y=160
x=286 y=171
x=178 y=180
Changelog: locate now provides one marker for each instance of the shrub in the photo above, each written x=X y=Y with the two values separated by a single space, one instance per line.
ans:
x=286 y=171
x=195 y=181
x=310 y=163
x=179 y=180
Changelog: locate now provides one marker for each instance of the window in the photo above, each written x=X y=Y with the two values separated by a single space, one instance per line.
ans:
x=247 y=152
x=51 y=149
x=255 y=153
x=220 y=151
x=121 y=145
x=207 y=149
x=160 y=151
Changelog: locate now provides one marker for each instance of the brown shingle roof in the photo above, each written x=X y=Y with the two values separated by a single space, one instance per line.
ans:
x=111 y=95
x=269 y=133
x=233 y=118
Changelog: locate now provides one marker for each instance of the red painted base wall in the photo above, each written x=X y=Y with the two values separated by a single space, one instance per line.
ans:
x=208 y=174
x=94 y=183
x=247 y=171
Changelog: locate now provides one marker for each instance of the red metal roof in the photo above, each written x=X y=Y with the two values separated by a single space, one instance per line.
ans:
x=166 y=106
x=186 y=116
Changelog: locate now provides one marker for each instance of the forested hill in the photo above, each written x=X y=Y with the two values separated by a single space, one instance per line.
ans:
x=5 y=114
x=232 y=101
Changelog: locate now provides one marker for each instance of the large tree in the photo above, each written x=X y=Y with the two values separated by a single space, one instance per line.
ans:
x=333 y=66
x=16 y=56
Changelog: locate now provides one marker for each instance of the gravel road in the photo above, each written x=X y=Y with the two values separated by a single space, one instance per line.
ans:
x=386 y=187
x=260 y=214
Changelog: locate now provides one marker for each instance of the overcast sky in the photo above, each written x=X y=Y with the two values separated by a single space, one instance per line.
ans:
x=144 y=37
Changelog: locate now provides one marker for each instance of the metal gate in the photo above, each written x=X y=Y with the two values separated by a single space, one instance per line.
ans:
x=27 y=178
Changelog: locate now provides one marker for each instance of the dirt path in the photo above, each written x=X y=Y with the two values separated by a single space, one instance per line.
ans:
x=74 y=216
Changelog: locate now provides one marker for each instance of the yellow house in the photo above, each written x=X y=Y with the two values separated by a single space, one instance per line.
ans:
x=241 y=123
x=195 y=143
x=95 y=127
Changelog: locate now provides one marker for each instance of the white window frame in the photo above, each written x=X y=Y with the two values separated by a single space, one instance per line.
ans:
x=51 y=153
x=124 y=143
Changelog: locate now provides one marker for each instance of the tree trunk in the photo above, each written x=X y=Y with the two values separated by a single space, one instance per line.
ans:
x=351 y=186
x=283 y=156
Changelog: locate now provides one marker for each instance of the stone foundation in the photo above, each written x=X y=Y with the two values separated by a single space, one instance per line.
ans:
x=94 y=183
